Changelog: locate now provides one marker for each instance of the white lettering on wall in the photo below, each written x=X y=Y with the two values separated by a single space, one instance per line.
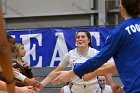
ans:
x=97 y=37
x=32 y=51
x=60 y=47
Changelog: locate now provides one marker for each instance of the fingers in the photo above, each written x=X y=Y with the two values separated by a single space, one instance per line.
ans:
x=13 y=64
x=29 y=89
x=84 y=78
x=54 y=74
x=36 y=78
x=58 y=73
x=55 y=81
x=32 y=82
x=58 y=80
x=118 y=90
x=38 y=87
x=87 y=77
x=36 y=84
x=15 y=73
x=62 y=77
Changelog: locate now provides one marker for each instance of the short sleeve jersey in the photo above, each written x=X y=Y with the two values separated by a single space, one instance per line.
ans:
x=124 y=46
x=107 y=89
x=74 y=58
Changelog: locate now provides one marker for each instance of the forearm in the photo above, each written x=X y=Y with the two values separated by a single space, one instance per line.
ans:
x=31 y=82
x=7 y=67
x=49 y=78
x=1 y=69
x=5 y=54
x=109 y=79
x=46 y=81
x=89 y=66
x=4 y=87
x=20 y=76
x=108 y=69
x=27 y=81
x=104 y=71
x=6 y=60
x=51 y=75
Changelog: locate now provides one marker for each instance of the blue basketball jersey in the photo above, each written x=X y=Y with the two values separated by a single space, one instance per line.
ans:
x=123 y=44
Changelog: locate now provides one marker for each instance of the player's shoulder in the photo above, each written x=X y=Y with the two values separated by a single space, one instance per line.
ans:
x=108 y=87
x=128 y=22
x=72 y=51
x=93 y=49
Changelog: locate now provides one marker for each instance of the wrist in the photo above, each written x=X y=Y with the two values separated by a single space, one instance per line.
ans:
x=17 y=89
x=98 y=71
x=41 y=85
x=112 y=83
x=20 y=77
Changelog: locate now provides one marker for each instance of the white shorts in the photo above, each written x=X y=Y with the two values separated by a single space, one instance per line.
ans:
x=92 y=88
x=67 y=89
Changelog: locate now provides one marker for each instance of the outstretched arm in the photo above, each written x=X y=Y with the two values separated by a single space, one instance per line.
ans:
x=5 y=55
x=51 y=75
x=115 y=88
x=49 y=78
x=107 y=68
x=65 y=76
x=111 y=46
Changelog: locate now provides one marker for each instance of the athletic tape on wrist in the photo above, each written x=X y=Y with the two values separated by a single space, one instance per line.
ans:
x=20 y=77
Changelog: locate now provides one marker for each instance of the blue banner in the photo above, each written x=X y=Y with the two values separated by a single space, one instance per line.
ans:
x=46 y=47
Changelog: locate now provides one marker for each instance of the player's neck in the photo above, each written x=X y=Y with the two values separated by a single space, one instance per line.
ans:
x=19 y=59
x=82 y=50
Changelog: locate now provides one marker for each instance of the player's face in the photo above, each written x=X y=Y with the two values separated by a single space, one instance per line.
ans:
x=102 y=81
x=82 y=39
x=22 y=51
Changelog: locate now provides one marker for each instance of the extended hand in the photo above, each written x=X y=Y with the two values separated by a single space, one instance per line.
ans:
x=116 y=88
x=32 y=81
x=63 y=77
x=91 y=75
x=88 y=77
x=38 y=88
x=26 y=89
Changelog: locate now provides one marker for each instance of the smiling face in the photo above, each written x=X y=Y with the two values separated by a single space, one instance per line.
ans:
x=102 y=81
x=82 y=39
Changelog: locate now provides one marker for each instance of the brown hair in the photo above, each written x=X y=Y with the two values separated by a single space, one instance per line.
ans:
x=10 y=38
x=16 y=53
x=88 y=35
x=132 y=7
